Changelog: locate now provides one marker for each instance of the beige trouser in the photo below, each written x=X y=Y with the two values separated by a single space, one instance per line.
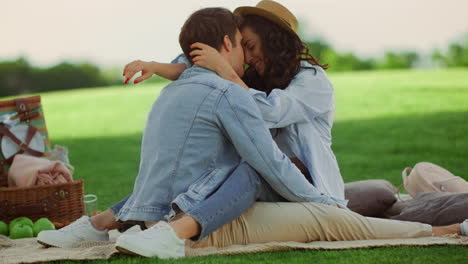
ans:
x=306 y=222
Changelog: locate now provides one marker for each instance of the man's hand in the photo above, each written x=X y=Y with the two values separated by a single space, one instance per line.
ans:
x=146 y=69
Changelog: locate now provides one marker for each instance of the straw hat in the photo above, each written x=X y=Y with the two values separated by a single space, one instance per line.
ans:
x=272 y=11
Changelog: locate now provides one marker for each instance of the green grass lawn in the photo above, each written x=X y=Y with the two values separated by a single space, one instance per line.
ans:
x=385 y=121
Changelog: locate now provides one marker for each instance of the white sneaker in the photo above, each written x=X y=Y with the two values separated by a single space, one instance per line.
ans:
x=158 y=241
x=464 y=228
x=73 y=234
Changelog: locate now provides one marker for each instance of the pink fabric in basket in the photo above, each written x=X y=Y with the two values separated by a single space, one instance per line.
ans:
x=28 y=171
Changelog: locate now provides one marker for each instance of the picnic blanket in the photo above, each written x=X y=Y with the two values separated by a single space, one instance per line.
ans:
x=29 y=251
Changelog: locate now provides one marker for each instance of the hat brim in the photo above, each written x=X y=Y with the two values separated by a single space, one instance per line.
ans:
x=250 y=10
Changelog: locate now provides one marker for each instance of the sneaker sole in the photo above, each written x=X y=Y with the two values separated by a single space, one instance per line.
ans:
x=45 y=244
x=48 y=244
x=127 y=249
x=52 y=243
x=127 y=252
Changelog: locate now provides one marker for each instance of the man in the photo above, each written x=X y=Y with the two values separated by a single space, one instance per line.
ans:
x=201 y=132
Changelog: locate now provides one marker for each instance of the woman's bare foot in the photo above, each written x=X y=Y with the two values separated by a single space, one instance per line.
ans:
x=446 y=230
x=105 y=220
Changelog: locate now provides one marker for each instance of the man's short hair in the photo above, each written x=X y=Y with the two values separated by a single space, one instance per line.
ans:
x=209 y=26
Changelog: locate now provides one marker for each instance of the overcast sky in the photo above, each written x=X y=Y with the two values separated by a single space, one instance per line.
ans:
x=114 y=32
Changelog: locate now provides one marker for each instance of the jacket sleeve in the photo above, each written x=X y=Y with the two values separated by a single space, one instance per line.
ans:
x=182 y=59
x=241 y=121
x=308 y=96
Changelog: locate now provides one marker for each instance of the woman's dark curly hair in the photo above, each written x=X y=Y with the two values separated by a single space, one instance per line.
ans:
x=283 y=52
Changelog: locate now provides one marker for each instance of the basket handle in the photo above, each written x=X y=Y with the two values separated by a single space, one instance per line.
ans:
x=404 y=174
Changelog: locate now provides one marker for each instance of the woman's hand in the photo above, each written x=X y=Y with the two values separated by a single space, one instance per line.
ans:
x=207 y=57
x=170 y=71
x=146 y=69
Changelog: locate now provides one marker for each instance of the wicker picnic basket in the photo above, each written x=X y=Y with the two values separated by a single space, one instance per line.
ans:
x=61 y=203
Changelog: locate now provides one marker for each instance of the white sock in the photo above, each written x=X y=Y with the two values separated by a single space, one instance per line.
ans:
x=464 y=228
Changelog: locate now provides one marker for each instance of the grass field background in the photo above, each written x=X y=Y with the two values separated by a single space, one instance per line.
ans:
x=385 y=121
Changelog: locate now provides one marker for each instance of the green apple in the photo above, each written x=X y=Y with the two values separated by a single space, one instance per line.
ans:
x=21 y=231
x=3 y=228
x=21 y=220
x=42 y=224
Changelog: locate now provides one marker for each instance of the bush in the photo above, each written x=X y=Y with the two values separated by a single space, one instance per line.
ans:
x=455 y=56
x=19 y=77
x=400 y=60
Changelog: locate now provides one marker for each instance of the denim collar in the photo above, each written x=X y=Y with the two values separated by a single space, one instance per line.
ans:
x=195 y=70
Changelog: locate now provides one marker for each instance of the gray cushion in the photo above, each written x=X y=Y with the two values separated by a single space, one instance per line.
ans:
x=370 y=197
x=436 y=208
x=395 y=209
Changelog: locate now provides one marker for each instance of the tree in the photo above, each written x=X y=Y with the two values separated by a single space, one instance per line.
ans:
x=455 y=56
x=317 y=48
x=400 y=60
x=19 y=77
x=15 y=77
x=346 y=62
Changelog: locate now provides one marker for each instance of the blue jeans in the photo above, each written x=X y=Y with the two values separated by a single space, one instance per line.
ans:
x=116 y=207
x=235 y=196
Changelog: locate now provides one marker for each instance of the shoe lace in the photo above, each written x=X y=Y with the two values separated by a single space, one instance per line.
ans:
x=76 y=225
x=162 y=226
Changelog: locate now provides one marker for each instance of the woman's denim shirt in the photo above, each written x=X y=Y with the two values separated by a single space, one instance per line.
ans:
x=198 y=130
x=304 y=113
